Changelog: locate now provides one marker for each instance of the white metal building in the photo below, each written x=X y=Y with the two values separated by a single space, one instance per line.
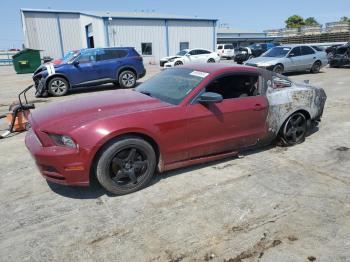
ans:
x=152 y=35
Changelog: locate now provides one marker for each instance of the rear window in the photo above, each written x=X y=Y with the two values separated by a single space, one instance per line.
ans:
x=228 y=47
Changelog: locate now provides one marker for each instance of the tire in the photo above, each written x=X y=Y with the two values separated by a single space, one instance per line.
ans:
x=316 y=67
x=126 y=165
x=211 y=60
x=178 y=63
x=58 y=86
x=127 y=79
x=278 y=69
x=293 y=130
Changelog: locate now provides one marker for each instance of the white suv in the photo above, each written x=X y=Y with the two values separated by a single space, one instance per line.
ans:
x=193 y=56
x=226 y=51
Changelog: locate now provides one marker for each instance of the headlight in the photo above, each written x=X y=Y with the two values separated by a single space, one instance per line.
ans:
x=62 y=140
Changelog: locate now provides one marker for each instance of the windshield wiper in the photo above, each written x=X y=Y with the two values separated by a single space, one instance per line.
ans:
x=145 y=93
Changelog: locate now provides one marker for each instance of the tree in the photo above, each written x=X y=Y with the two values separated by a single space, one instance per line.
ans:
x=311 y=21
x=345 y=19
x=295 y=21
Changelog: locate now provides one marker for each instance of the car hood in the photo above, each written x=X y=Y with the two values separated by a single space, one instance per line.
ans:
x=259 y=60
x=71 y=114
x=43 y=67
x=168 y=58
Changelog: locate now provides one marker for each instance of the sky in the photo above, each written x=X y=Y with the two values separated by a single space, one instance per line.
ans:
x=252 y=15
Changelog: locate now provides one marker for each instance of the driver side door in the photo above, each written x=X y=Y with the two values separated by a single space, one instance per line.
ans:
x=236 y=122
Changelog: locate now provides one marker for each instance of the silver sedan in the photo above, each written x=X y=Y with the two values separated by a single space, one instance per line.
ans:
x=291 y=58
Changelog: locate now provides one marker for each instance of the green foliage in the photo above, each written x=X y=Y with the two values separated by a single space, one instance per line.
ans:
x=295 y=21
x=311 y=21
x=345 y=19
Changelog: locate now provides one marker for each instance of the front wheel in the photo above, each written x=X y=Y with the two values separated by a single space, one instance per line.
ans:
x=278 y=69
x=126 y=165
x=178 y=63
x=294 y=129
x=58 y=86
x=211 y=60
x=127 y=79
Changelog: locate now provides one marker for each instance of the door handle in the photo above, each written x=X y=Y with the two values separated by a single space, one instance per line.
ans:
x=258 y=107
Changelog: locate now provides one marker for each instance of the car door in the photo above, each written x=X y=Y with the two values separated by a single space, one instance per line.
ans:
x=193 y=56
x=83 y=70
x=294 y=61
x=108 y=60
x=309 y=57
x=234 y=123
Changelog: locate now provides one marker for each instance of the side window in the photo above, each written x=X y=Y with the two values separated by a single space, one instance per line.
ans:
x=184 y=45
x=194 y=52
x=219 y=47
x=296 y=51
x=146 y=48
x=87 y=57
x=306 y=50
x=235 y=86
x=205 y=52
x=111 y=54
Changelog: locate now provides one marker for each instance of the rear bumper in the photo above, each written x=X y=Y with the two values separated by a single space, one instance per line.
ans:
x=57 y=164
x=142 y=74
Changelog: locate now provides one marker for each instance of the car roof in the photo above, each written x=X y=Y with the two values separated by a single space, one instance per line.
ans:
x=219 y=67
x=294 y=45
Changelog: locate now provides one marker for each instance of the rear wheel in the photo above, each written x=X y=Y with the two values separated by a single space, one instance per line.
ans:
x=127 y=79
x=126 y=165
x=278 y=69
x=58 y=86
x=294 y=129
x=316 y=67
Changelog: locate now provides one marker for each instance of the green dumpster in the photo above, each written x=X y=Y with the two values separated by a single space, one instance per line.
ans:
x=26 y=61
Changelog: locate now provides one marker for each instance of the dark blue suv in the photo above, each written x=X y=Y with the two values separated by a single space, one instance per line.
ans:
x=93 y=66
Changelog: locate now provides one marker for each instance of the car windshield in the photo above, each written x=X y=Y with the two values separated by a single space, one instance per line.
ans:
x=172 y=85
x=277 y=52
x=67 y=57
x=182 y=53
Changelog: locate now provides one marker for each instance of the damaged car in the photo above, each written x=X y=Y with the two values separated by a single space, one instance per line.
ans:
x=183 y=116
x=122 y=66
x=196 y=55
x=341 y=56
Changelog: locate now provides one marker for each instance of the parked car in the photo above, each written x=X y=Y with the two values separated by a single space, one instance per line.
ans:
x=226 y=51
x=255 y=50
x=331 y=50
x=168 y=58
x=183 y=116
x=196 y=55
x=291 y=58
x=93 y=66
x=341 y=56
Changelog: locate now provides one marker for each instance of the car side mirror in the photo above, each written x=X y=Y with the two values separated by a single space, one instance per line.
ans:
x=291 y=55
x=76 y=63
x=210 y=97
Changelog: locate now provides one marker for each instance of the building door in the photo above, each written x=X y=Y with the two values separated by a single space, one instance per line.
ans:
x=89 y=36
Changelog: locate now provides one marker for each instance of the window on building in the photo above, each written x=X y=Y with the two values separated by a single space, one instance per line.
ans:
x=184 y=45
x=146 y=48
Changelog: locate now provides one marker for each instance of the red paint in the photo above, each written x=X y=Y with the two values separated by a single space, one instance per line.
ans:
x=185 y=133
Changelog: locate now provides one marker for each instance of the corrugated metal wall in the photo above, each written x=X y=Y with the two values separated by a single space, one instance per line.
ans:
x=43 y=32
x=70 y=28
x=199 y=34
x=133 y=32
x=98 y=30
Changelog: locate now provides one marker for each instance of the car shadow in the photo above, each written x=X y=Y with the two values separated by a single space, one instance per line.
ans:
x=301 y=73
x=92 y=89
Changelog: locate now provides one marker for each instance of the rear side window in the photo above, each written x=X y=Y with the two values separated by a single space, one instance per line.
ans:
x=111 y=54
x=202 y=52
x=306 y=50
x=220 y=47
x=228 y=47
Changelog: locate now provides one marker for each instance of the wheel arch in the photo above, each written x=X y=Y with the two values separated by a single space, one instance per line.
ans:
x=48 y=79
x=305 y=112
x=110 y=140
x=126 y=68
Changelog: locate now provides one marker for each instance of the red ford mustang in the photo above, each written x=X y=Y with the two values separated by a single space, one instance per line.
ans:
x=183 y=116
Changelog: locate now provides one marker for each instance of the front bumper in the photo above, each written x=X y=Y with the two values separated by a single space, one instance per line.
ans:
x=65 y=166
x=169 y=65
